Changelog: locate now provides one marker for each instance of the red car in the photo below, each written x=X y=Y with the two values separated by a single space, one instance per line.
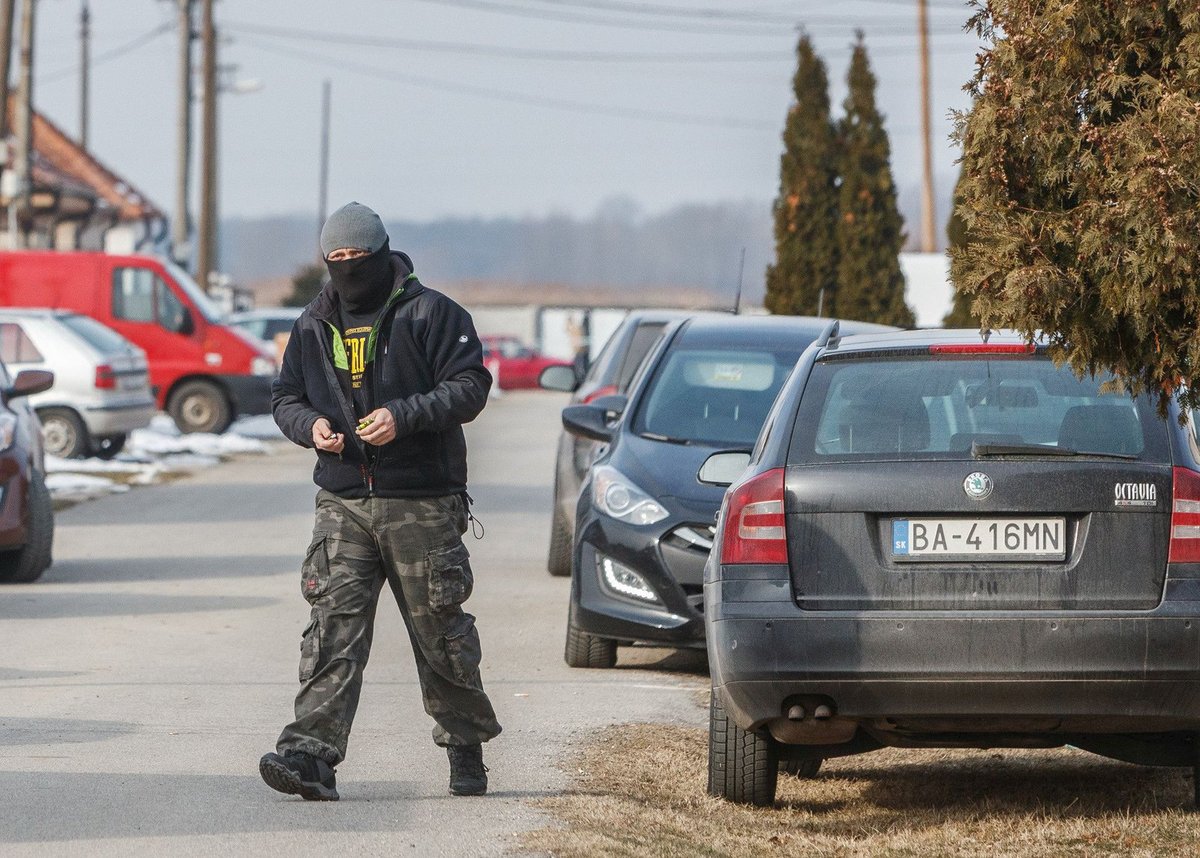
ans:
x=514 y=364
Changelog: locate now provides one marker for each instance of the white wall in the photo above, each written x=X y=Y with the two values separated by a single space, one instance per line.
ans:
x=927 y=286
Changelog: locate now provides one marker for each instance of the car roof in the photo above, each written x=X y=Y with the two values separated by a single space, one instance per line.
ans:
x=765 y=330
x=861 y=342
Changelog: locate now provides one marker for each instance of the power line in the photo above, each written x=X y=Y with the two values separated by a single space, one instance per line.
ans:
x=111 y=54
x=664 y=116
x=710 y=13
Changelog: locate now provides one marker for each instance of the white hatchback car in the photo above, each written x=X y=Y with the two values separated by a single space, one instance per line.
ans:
x=101 y=387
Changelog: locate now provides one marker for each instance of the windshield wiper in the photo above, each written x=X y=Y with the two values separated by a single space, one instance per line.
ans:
x=980 y=451
x=654 y=436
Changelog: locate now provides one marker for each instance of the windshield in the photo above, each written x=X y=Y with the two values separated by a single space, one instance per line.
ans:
x=922 y=408
x=717 y=396
x=101 y=337
x=203 y=303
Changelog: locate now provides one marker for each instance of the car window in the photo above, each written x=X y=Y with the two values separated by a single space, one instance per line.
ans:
x=720 y=396
x=275 y=327
x=133 y=294
x=929 y=408
x=644 y=337
x=15 y=345
x=101 y=337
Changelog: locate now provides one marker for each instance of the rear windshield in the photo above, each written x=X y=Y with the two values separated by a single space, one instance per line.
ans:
x=715 y=396
x=930 y=408
x=101 y=337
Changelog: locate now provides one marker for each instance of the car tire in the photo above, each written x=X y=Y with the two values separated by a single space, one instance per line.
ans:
x=742 y=767
x=801 y=768
x=63 y=433
x=200 y=406
x=27 y=564
x=559 y=561
x=584 y=650
x=108 y=446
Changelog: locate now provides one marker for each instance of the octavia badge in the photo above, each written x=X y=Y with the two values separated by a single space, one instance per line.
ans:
x=978 y=486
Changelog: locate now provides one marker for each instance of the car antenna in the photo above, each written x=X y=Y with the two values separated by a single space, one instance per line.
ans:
x=831 y=334
x=737 y=298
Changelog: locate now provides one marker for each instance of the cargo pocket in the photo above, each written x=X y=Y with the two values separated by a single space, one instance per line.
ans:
x=462 y=649
x=314 y=573
x=310 y=648
x=450 y=579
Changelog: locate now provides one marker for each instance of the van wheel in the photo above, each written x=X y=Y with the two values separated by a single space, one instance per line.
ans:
x=559 y=561
x=199 y=406
x=28 y=563
x=107 y=446
x=584 y=650
x=800 y=768
x=63 y=433
x=742 y=767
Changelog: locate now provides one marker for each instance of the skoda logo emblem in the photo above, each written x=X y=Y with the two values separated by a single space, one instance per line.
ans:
x=978 y=486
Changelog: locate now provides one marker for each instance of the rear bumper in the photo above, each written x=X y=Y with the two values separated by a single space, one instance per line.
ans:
x=118 y=419
x=249 y=394
x=1025 y=672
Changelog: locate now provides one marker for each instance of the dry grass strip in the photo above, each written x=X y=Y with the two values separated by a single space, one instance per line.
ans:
x=640 y=792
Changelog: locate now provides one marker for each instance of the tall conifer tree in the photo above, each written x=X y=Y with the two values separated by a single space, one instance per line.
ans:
x=1081 y=184
x=803 y=278
x=870 y=231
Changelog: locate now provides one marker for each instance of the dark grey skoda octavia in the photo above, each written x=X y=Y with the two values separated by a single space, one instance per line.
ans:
x=943 y=541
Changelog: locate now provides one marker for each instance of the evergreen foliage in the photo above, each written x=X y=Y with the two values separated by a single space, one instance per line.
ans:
x=1081 y=184
x=870 y=231
x=805 y=211
x=960 y=315
x=306 y=283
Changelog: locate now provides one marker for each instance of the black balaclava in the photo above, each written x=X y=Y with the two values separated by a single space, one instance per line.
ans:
x=363 y=284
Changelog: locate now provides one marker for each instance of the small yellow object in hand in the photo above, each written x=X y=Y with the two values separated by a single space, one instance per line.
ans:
x=364 y=423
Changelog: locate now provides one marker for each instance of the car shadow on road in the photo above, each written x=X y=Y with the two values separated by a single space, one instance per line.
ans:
x=686 y=661
x=34 y=604
x=170 y=568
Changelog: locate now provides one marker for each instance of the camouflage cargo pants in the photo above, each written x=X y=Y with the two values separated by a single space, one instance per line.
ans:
x=415 y=545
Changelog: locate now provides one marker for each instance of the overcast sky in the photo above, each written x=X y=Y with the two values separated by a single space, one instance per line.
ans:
x=493 y=107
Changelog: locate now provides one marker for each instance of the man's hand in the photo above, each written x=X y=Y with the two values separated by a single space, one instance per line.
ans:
x=377 y=428
x=324 y=438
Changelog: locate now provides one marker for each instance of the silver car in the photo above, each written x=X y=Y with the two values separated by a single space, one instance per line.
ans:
x=101 y=387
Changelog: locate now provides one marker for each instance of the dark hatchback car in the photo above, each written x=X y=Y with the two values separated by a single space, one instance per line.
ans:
x=645 y=518
x=610 y=373
x=26 y=510
x=942 y=541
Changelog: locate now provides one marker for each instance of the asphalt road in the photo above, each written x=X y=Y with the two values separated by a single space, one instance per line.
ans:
x=155 y=662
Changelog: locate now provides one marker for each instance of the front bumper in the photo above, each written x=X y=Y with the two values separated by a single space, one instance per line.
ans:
x=249 y=394
x=1036 y=672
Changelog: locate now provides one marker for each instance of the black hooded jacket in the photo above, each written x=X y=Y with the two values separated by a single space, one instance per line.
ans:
x=427 y=371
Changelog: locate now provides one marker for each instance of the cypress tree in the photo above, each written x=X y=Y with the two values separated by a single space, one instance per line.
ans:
x=870 y=231
x=1081 y=184
x=306 y=283
x=805 y=247
x=960 y=315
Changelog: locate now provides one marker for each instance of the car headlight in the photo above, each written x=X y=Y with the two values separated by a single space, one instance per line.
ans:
x=262 y=366
x=8 y=431
x=615 y=495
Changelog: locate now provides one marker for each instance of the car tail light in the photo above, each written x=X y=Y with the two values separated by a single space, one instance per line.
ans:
x=1185 y=517
x=607 y=390
x=754 y=524
x=106 y=379
x=983 y=349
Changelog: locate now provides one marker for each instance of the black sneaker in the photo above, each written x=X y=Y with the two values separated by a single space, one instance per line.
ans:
x=298 y=773
x=468 y=774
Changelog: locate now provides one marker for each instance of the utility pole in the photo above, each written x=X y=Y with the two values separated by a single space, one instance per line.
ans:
x=8 y=9
x=928 y=231
x=206 y=255
x=182 y=232
x=85 y=71
x=323 y=181
x=24 y=127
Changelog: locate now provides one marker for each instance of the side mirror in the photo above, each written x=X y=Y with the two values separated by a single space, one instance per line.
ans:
x=29 y=382
x=558 y=377
x=723 y=469
x=588 y=421
x=614 y=403
x=187 y=324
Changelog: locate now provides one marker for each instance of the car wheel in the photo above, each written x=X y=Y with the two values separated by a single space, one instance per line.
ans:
x=584 y=650
x=107 y=446
x=742 y=767
x=28 y=563
x=63 y=433
x=559 y=561
x=800 y=768
x=199 y=406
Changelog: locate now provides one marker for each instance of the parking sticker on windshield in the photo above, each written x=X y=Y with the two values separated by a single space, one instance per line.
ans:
x=730 y=373
x=1135 y=494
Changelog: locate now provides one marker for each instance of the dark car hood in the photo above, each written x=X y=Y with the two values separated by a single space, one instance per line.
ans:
x=666 y=470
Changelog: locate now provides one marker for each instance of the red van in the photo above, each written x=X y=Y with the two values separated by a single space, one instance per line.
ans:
x=204 y=373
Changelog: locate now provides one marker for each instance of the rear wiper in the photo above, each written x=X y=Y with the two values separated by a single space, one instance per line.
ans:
x=980 y=451
x=654 y=436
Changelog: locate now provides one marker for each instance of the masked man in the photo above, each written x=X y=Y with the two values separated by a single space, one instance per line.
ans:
x=378 y=377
